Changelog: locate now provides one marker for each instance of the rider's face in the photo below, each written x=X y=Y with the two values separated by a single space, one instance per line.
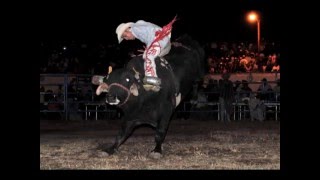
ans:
x=127 y=35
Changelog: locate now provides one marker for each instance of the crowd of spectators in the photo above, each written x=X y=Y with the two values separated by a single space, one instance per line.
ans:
x=242 y=57
x=85 y=57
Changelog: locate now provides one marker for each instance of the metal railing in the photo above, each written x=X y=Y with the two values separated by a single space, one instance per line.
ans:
x=69 y=99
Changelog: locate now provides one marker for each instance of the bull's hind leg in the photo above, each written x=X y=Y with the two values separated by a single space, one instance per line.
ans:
x=126 y=129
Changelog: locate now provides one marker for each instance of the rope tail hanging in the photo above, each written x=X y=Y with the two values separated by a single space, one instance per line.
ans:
x=166 y=30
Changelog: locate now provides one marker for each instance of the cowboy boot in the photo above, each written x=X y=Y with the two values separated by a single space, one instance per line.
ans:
x=151 y=83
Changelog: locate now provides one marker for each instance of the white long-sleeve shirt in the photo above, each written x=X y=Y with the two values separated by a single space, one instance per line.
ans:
x=145 y=32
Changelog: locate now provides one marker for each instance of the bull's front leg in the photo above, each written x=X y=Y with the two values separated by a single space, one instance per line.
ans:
x=161 y=130
x=126 y=129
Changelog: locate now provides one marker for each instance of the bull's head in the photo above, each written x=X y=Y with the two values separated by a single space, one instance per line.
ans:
x=119 y=85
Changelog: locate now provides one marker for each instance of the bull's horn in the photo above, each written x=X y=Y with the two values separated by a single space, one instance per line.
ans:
x=135 y=71
x=109 y=69
x=136 y=75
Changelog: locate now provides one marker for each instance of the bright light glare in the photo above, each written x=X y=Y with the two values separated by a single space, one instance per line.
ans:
x=252 y=17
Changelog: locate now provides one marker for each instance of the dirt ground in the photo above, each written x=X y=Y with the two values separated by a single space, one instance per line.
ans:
x=190 y=144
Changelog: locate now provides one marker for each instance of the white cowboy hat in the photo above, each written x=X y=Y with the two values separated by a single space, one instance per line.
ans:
x=121 y=28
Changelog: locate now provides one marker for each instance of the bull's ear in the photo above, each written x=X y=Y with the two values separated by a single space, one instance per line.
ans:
x=134 y=89
x=109 y=69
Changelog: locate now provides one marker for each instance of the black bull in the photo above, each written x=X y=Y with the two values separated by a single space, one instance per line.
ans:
x=125 y=89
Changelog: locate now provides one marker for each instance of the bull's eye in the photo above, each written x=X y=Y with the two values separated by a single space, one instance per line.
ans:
x=127 y=79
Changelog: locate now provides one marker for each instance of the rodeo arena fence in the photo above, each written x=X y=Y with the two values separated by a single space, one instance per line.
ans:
x=72 y=97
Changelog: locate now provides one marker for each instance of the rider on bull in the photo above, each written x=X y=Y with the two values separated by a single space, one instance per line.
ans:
x=157 y=42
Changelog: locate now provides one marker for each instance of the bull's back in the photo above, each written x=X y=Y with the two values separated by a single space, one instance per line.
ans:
x=187 y=62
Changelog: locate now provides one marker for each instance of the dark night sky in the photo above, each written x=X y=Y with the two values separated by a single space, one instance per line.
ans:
x=97 y=22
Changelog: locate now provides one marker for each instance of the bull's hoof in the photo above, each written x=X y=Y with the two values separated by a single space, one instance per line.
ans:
x=110 y=151
x=155 y=155
x=100 y=154
x=103 y=148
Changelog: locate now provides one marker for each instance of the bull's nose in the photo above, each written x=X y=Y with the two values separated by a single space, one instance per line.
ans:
x=102 y=88
x=112 y=100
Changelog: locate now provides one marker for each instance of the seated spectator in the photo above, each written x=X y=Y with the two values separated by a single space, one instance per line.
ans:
x=265 y=90
x=244 y=91
x=275 y=68
x=256 y=108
